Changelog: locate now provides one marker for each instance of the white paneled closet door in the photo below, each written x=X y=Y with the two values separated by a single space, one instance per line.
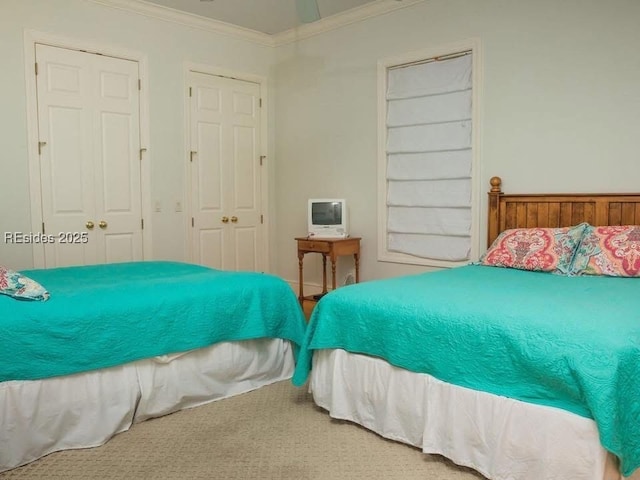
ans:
x=89 y=132
x=225 y=172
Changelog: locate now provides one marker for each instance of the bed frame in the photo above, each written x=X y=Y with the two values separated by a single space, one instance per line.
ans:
x=558 y=209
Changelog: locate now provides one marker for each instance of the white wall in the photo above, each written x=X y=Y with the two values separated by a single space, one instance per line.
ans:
x=167 y=47
x=560 y=110
x=560 y=107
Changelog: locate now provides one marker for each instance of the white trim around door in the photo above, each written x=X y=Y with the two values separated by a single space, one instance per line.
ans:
x=266 y=167
x=31 y=38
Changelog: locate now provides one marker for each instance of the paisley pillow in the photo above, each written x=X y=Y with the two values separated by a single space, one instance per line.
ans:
x=537 y=249
x=612 y=251
x=18 y=286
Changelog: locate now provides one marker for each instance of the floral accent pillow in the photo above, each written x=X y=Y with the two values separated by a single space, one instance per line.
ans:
x=537 y=249
x=18 y=286
x=612 y=251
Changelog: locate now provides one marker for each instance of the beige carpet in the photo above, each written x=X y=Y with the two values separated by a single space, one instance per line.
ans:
x=275 y=432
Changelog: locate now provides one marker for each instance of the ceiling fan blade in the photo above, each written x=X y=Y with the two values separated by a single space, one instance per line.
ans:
x=307 y=10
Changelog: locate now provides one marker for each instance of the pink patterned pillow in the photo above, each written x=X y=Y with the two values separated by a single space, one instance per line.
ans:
x=18 y=286
x=612 y=251
x=538 y=249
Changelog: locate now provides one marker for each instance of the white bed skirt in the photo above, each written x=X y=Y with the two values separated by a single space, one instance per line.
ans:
x=501 y=438
x=86 y=410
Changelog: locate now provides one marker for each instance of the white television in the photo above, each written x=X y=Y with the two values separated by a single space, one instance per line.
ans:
x=328 y=218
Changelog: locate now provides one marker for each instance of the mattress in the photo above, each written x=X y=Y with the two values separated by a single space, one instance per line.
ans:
x=101 y=316
x=565 y=342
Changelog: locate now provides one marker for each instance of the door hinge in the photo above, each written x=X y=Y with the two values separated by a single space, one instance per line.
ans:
x=261 y=218
x=43 y=228
x=262 y=158
x=191 y=154
x=142 y=223
x=36 y=68
x=260 y=103
x=40 y=145
x=190 y=91
x=139 y=84
x=142 y=150
x=192 y=222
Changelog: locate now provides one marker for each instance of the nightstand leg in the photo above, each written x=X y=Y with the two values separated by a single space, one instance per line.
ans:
x=333 y=272
x=324 y=273
x=300 y=279
x=356 y=257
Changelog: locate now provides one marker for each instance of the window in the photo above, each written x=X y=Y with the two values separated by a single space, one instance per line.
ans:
x=428 y=210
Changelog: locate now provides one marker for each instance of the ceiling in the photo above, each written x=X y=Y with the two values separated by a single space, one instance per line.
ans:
x=266 y=16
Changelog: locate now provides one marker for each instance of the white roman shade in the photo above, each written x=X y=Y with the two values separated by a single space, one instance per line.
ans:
x=429 y=159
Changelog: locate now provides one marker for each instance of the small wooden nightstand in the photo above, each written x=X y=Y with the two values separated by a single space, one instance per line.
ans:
x=332 y=247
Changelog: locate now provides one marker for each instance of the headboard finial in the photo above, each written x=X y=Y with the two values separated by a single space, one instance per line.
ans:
x=493 y=227
x=496 y=183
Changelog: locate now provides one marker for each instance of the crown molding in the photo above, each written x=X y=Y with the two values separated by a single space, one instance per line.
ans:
x=348 y=17
x=188 y=19
x=354 y=15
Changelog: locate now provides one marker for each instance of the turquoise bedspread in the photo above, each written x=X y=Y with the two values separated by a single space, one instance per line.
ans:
x=106 y=315
x=566 y=342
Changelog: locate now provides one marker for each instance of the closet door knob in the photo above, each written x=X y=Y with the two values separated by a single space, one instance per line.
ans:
x=225 y=219
x=89 y=225
x=103 y=224
x=234 y=219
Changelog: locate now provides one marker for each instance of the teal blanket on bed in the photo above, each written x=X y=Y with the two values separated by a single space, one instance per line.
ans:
x=566 y=342
x=106 y=315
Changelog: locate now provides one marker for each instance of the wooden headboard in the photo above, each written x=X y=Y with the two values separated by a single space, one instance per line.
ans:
x=558 y=209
